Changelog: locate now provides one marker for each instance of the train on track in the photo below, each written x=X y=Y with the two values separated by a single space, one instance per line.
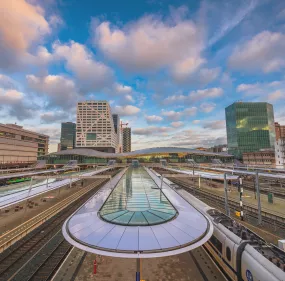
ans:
x=240 y=253
x=13 y=180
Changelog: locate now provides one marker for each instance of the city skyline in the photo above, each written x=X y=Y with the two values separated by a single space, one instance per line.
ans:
x=168 y=70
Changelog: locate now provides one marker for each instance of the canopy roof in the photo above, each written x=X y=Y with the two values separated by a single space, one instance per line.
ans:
x=142 y=152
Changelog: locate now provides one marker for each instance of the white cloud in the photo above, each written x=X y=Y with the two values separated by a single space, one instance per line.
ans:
x=91 y=74
x=215 y=125
x=272 y=89
x=176 y=115
x=172 y=115
x=122 y=89
x=206 y=94
x=150 y=44
x=153 y=119
x=196 y=121
x=177 y=124
x=207 y=107
x=60 y=91
x=22 y=25
x=265 y=52
x=126 y=110
x=276 y=95
x=194 y=96
x=14 y=104
x=152 y=130
x=7 y=83
x=54 y=116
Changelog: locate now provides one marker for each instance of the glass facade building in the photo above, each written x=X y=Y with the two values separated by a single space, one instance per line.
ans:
x=67 y=138
x=250 y=127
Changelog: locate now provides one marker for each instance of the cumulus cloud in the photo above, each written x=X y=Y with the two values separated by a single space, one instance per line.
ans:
x=276 y=95
x=59 y=91
x=273 y=90
x=177 y=124
x=196 y=121
x=7 y=83
x=206 y=94
x=54 y=116
x=265 y=52
x=22 y=25
x=207 y=107
x=126 y=110
x=194 y=96
x=153 y=119
x=15 y=104
x=151 y=43
x=176 y=115
x=215 y=125
x=152 y=130
x=90 y=73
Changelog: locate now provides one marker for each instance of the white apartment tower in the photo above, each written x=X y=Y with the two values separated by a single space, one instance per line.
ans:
x=95 y=127
x=127 y=140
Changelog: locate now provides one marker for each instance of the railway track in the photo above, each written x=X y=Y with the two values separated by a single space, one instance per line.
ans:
x=38 y=254
x=216 y=200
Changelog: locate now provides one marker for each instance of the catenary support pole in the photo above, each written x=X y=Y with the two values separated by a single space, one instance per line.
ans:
x=258 y=197
x=226 y=195
x=240 y=198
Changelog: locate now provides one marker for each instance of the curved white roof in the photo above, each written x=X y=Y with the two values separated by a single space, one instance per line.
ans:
x=186 y=231
x=154 y=150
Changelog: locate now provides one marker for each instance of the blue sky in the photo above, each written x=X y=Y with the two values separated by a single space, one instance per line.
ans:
x=169 y=68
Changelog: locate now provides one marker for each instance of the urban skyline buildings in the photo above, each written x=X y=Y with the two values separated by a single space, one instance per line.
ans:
x=68 y=135
x=250 y=127
x=127 y=139
x=95 y=127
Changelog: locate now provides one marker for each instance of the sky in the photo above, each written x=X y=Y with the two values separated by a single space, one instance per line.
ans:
x=169 y=68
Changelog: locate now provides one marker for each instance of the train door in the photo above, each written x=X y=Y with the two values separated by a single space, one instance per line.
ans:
x=229 y=257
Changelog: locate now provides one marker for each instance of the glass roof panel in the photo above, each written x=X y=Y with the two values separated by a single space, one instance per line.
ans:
x=134 y=201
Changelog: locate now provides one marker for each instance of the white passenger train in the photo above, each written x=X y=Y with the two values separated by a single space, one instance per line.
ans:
x=240 y=253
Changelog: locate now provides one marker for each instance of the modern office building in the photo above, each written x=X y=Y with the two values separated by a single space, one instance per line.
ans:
x=127 y=139
x=250 y=127
x=20 y=145
x=279 y=131
x=67 y=137
x=95 y=127
x=117 y=126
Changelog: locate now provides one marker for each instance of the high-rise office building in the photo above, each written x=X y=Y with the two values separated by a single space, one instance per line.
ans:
x=95 y=127
x=127 y=140
x=250 y=127
x=67 y=138
x=117 y=126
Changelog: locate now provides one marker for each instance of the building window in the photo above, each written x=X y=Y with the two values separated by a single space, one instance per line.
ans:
x=216 y=243
x=90 y=136
x=228 y=254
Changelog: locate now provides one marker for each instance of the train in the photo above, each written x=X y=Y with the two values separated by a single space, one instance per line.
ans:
x=14 y=180
x=240 y=253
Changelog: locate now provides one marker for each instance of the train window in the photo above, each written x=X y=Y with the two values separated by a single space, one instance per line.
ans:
x=218 y=245
x=228 y=254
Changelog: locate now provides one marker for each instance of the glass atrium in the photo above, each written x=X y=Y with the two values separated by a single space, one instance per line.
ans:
x=137 y=200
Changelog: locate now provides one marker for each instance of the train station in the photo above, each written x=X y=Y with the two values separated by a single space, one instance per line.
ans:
x=127 y=215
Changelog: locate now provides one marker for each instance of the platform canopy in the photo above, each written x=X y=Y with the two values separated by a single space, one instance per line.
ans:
x=132 y=217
